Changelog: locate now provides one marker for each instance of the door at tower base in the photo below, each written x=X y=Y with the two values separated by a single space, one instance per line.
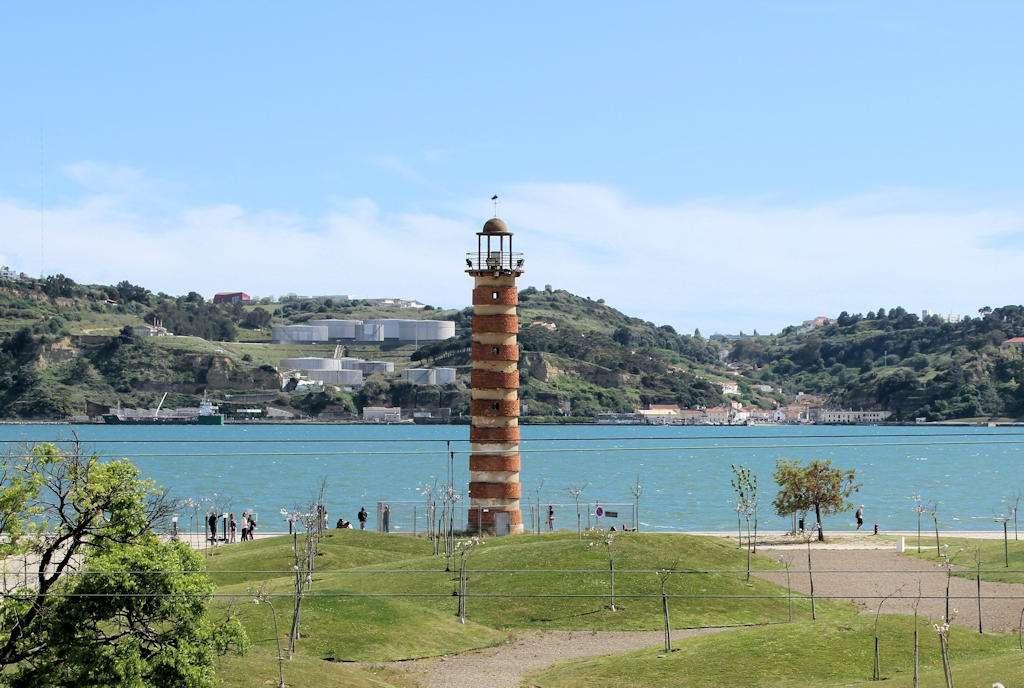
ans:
x=488 y=519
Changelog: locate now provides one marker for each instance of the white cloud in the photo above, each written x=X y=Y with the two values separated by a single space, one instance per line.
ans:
x=718 y=264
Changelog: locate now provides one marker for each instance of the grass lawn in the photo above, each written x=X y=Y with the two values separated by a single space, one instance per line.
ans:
x=991 y=552
x=340 y=627
x=836 y=653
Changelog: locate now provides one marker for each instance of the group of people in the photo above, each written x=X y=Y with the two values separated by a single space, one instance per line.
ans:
x=361 y=517
x=248 y=526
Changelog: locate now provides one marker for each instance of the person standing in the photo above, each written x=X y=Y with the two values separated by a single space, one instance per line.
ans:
x=362 y=518
x=213 y=525
x=245 y=526
x=551 y=517
x=234 y=526
x=860 y=516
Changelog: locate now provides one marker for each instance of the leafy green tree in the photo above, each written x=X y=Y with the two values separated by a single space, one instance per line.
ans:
x=59 y=285
x=256 y=319
x=141 y=620
x=126 y=291
x=816 y=486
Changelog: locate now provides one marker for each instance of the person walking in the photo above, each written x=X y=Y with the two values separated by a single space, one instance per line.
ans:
x=362 y=518
x=551 y=517
x=860 y=516
x=245 y=526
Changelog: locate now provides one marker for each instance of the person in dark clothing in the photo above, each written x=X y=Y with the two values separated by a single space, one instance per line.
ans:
x=213 y=525
x=362 y=518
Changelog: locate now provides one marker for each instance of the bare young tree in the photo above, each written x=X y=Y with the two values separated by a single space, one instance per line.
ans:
x=1003 y=518
x=575 y=493
x=808 y=535
x=637 y=490
x=260 y=596
x=663 y=575
x=1017 y=496
x=607 y=540
x=918 y=508
x=932 y=510
x=304 y=552
x=877 y=672
x=917 y=636
x=745 y=485
x=465 y=549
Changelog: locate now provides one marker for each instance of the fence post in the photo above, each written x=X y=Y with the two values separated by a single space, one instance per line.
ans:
x=414 y=520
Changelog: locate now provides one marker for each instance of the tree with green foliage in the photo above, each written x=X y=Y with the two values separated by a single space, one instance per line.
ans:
x=58 y=285
x=256 y=319
x=138 y=617
x=816 y=486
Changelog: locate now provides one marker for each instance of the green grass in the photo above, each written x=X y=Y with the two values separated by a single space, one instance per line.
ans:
x=963 y=551
x=839 y=653
x=260 y=669
x=379 y=628
x=767 y=651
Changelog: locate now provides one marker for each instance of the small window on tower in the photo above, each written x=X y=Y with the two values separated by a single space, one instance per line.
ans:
x=495 y=406
x=494 y=295
x=495 y=351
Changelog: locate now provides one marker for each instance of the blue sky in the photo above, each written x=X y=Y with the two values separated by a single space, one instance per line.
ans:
x=727 y=166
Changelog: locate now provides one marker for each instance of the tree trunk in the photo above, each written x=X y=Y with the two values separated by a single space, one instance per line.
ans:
x=817 y=517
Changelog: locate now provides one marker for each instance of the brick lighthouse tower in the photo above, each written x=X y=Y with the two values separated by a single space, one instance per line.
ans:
x=494 y=487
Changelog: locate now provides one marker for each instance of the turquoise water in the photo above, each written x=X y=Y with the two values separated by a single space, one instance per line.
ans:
x=973 y=473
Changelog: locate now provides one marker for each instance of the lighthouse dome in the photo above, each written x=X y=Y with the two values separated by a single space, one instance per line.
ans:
x=495 y=226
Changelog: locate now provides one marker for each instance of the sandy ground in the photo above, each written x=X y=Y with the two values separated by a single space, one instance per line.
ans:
x=852 y=566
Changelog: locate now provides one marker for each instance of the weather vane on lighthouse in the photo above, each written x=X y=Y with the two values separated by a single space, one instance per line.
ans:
x=494 y=463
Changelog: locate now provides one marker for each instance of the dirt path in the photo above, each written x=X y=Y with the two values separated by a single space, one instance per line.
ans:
x=504 y=666
x=865 y=576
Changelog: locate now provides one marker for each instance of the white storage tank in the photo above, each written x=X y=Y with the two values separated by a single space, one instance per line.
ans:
x=434 y=330
x=370 y=331
x=311 y=363
x=376 y=367
x=419 y=376
x=339 y=329
x=299 y=333
x=344 y=378
x=389 y=327
x=444 y=376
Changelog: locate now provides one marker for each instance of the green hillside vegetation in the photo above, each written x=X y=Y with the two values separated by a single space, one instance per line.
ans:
x=895 y=361
x=63 y=344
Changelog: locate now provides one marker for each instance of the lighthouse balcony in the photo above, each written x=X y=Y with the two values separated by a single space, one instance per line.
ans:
x=495 y=261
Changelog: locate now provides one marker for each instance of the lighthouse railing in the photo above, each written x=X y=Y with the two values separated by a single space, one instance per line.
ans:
x=495 y=260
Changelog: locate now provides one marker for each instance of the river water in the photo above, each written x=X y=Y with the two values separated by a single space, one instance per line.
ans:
x=972 y=473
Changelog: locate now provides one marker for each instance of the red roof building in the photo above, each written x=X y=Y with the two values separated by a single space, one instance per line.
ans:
x=230 y=297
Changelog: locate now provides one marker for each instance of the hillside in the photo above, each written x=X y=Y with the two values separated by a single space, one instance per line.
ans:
x=66 y=347
x=896 y=361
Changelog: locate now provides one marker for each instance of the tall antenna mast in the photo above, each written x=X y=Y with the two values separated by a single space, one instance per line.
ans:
x=42 y=245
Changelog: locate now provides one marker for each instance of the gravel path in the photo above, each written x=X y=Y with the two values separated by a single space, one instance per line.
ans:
x=864 y=576
x=504 y=666
x=847 y=570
